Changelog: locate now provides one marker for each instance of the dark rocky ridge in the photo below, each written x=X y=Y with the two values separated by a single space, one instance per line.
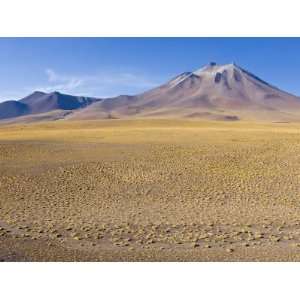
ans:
x=40 y=102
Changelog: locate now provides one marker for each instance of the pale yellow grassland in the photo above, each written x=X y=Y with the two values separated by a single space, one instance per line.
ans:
x=150 y=190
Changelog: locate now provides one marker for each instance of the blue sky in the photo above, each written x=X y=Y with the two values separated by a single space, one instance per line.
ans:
x=106 y=67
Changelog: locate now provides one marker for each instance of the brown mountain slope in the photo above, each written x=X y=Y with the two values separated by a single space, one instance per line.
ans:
x=215 y=92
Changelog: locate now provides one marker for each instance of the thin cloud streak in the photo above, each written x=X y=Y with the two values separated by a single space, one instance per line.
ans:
x=102 y=85
x=109 y=84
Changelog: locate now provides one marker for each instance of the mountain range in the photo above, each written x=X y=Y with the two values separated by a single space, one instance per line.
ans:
x=217 y=92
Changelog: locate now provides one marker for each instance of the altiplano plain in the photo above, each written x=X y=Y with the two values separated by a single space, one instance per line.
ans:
x=150 y=190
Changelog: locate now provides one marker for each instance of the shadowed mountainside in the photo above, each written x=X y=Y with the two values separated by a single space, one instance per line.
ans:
x=12 y=109
x=40 y=103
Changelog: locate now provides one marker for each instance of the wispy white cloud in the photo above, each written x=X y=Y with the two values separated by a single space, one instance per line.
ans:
x=108 y=84
x=62 y=81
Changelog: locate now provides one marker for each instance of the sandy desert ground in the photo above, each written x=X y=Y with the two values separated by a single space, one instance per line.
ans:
x=150 y=190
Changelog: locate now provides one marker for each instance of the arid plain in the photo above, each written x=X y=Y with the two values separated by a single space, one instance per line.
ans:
x=150 y=190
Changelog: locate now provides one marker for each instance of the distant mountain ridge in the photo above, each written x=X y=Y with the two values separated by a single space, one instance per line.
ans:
x=218 y=92
x=40 y=102
x=12 y=109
